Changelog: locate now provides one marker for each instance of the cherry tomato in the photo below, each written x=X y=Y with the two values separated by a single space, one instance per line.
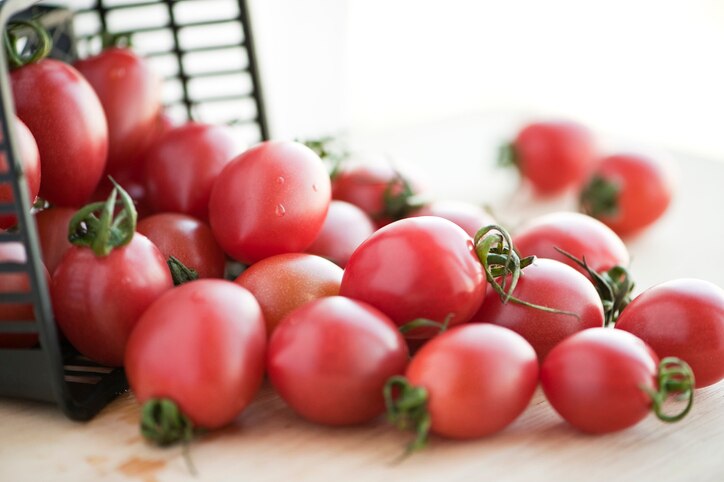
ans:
x=344 y=229
x=98 y=300
x=550 y=284
x=683 y=318
x=11 y=252
x=181 y=167
x=201 y=345
x=131 y=181
x=380 y=190
x=600 y=380
x=577 y=234
x=270 y=200
x=30 y=160
x=66 y=119
x=330 y=358
x=628 y=192
x=420 y=267
x=130 y=93
x=554 y=156
x=478 y=378
x=53 y=234
x=187 y=239
x=284 y=282
x=468 y=216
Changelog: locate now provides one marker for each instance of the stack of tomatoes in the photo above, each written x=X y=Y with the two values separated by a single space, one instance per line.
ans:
x=358 y=296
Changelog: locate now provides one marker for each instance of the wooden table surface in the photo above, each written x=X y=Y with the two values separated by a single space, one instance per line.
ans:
x=269 y=442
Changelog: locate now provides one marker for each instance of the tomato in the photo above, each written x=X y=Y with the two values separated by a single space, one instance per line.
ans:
x=344 y=229
x=187 y=239
x=577 y=234
x=12 y=252
x=98 y=300
x=468 y=216
x=272 y=199
x=284 y=282
x=53 y=234
x=66 y=119
x=600 y=380
x=330 y=358
x=201 y=345
x=420 y=267
x=550 y=284
x=130 y=93
x=379 y=189
x=27 y=149
x=181 y=167
x=628 y=192
x=132 y=182
x=478 y=379
x=554 y=156
x=683 y=318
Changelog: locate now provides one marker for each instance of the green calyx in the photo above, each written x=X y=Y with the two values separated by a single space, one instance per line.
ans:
x=426 y=323
x=613 y=286
x=40 y=48
x=163 y=423
x=600 y=197
x=121 y=40
x=328 y=149
x=507 y=157
x=399 y=199
x=180 y=272
x=407 y=409
x=99 y=227
x=674 y=377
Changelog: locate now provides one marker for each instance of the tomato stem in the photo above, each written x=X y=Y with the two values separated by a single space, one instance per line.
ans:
x=399 y=205
x=600 y=197
x=426 y=323
x=163 y=423
x=180 y=272
x=674 y=376
x=507 y=157
x=407 y=409
x=331 y=154
x=43 y=47
x=109 y=40
x=111 y=230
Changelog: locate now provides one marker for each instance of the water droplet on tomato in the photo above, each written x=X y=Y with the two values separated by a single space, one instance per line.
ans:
x=280 y=180
x=280 y=211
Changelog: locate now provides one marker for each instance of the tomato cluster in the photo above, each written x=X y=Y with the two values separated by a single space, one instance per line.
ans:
x=358 y=295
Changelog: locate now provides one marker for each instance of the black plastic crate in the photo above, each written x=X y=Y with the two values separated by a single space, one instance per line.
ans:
x=173 y=35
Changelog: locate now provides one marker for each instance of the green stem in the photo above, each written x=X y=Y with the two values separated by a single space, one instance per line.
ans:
x=600 y=197
x=43 y=48
x=180 y=272
x=507 y=156
x=674 y=377
x=163 y=423
x=109 y=40
x=426 y=323
x=407 y=409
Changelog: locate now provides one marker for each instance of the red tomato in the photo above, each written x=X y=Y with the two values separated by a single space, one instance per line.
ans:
x=330 y=359
x=284 y=282
x=598 y=379
x=378 y=189
x=479 y=378
x=554 y=156
x=270 y=200
x=30 y=159
x=188 y=240
x=202 y=346
x=628 y=192
x=130 y=93
x=181 y=167
x=554 y=285
x=422 y=267
x=66 y=119
x=131 y=182
x=344 y=229
x=578 y=234
x=11 y=252
x=98 y=300
x=683 y=318
x=468 y=216
x=53 y=234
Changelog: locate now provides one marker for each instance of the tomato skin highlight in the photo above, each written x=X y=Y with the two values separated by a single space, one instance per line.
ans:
x=98 y=300
x=330 y=359
x=67 y=121
x=683 y=318
x=554 y=156
x=554 y=285
x=596 y=379
x=272 y=199
x=201 y=345
x=180 y=168
x=284 y=282
x=420 y=267
x=479 y=378
x=345 y=228
x=30 y=161
x=578 y=234
x=130 y=93
x=187 y=239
